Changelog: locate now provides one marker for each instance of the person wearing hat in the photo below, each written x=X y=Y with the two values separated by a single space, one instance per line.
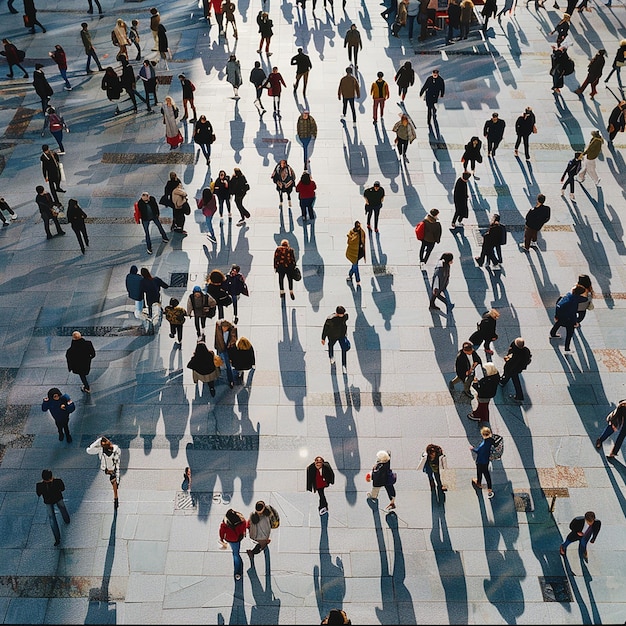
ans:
x=148 y=211
x=348 y=90
x=493 y=130
x=594 y=73
x=374 y=197
x=433 y=88
x=306 y=129
x=591 y=154
x=524 y=127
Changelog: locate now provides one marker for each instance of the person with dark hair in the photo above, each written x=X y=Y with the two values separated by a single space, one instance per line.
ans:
x=266 y=30
x=382 y=476
x=148 y=211
x=355 y=251
x=233 y=74
x=155 y=20
x=336 y=330
x=306 y=129
x=133 y=288
x=485 y=331
x=482 y=452
x=306 y=194
x=42 y=87
x=439 y=285
x=90 y=51
x=222 y=191
x=472 y=155
x=517 y=359
x=58 y=56
x=258 y=78
x=583 y=529
x=200 y=306
x=617 y=121
x=232 y=531
x=585 y=282
x=56 y=125
x=284 y=262
x=207 y=203
x=239 y=187
x=112 y=85
x=284 y=178
x=203 y=135
x=569 y=175
x=52 y=491
x=235 y=285
x=110 y=457
x=176 y=316
x=536 y=218
x=432 y=462
x=164 y=46
x=97 y=4
x=225 y=340
x=433 y=88
x=454 y=20
x=352 y=41
x=181 y=208
x=431 y=235
x=12 y=55
x=202 y=365
x=492 y=240
x=525 y=125
x=466 y=362
x=319 y=476
x=594 y=73
x=148 y=77
x=4 y=206
x=60 y=406
x=76 y=219
x=336 y=617
x=566 y=312
x=405 y=78
x=188 y=88
x=47 y=211
x=615 y=422
x=348 y=89
x=79 y=356
x=374 y=197
x=30 y=12
x=276 y=83
x=215 y=288
x=51 y=170
x=303 y=64
x=493 y=130
x=486 y=388
x=151 y=291
x=260 y=528
x=461 y=198
x=133 y=36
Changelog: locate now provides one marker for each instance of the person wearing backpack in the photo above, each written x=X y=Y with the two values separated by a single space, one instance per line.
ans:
x=200 y=306
x=429 y=234
x=482 y=452
x=176 y=316
x=232 y=531
x=260 y=528
x=517 y=359
x=56 y=125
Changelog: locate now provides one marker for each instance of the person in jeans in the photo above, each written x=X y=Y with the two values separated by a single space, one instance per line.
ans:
x=482 y=452
x=52 y=491
x=319 y=476
x=260 y=528
x=60 y=406
x=355 y=251
x=439 y=285
x=615 y=423
x=584 y=529
x=284 y=262
x=566 y=314
x=349 y=89
x=232 y=531
x=90 y=51
x=226 y=340
x=133 y=287
x=149 y=212
x=235 y=285
x=465 y=364
x=335 y=330
x=306 y=194
x=536 y=218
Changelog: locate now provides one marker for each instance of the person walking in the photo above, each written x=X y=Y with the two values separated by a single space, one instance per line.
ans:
x=434 y=87
x=352 y=41
x=517 y=359
x=241 y=358
x=110 y=457
x=319 y=476
x=482 y=452
x=155 y=20
x=430 y=235
x=461 y=199
x=42 y=87
x=215 y=287
x=228 y=11
x=336 y=330
x=258 y=78
x=585 y=282
x=492 y=242
x=235 y=285
x=490 y=9
x=382 y=476
x=355 y=251
x=260 y=528
x=306 y=195
x=404 y=78
x=232 y=530
x=266 y=31
x=561 y=66
x=405 y=134
x=76 y=219
x=169 y=111
x=493 y=130
x=30 y=13
x=284 y=178
x=374 y=197
x=566 y=313
x=133 y=288
x=203 y=367
x=58 y=56
x=151 y=292
x=207 y=203
x=303 y=65
x=348 y=90
x=536 y=218
x=467 y=15
x=454 y=20
x=119 y=37
x=583 y=529
x=561 y=30
x=465 y=364
x=615 y=422
x=284 y=263
x=187 y=88
x=133 y=36
x=402 y=16
x=439 y=285
x=60 y=406
x=486 y=388
x=200 y=306
x=56 y=125
x=233 y=75
x=485 y=331
x=472 y=155
x=618 y=62
x=129 y=84
x=306 y=130
x=432 y=463
x=591 y=154
x=222 y=191
x=204 y=136
x=4 y=206
x=112 y=86
x=147 y=75
x=148 y=211
x=51 y=170
x=52 y=489
x=181 y=208
x=594 y=73
x=176 y=316
x=164 y=46
x=276 y=83
x=13 y=56
x=226 y=340
x=239 y=187
x=617 y=121
x=46 y=205
x=525 y=126
x=79 y=356
x=569 y=175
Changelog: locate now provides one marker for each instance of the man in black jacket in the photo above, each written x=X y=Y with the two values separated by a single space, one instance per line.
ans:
x=535 y=219
x=303 y=64
x=466 y=361
x=52 y=491
x=433 y=88
x=524 y=127
x=516 y=360
x=51 y=171
x=584 y=529
x=79 y=356
x=149 y=212
x=128 y=82
x=493 y=130
x=46 y=210
x=335 y=329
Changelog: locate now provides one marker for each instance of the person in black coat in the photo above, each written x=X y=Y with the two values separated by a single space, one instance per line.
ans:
x=51 y=170
x=335 y=330
x=151 y=290
x=454 y=19
x=617 y=121
x=524 y=127
x=516 y=360
x=241 y=358
x=433 y=88
x=30 y=11
x=204 y=137
x=320 y=475
x=486 y=388
x=535 y=220
x=42 y=87
x=566 y=314
x=79 y=356
x=461 y=197
x=76 y=219
x=489 y=10
x=46 y=210
x=492 y=240
x=128 y=82
x=382 y=476
x=569 y=175
x=149 y=212
x=485 y=331
x=464 y=365
x=493 y=130
x=584 y=529
x=472 y=155
x=235 y=285
x=52 y=491
x=112 y=85
x=215 y=288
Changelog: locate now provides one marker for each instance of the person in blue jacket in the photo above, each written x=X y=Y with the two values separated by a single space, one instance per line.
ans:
x=565 y=314
x=60 y=406
x=482 y=460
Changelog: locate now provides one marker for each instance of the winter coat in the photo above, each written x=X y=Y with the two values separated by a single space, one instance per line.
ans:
x=222 y=345
x=233 y=534
x=133 y=284
x=537 y=217
x=276 y=83
x=335 y=327
x=41 y=85
x=567 y=307
x=203 y=133
x=356 y=245
x=196 y=303
x=202 y=363
x=518 y=359
x=487 y=387
x=79 y=356
x=432 y=229
x=52 y=491
x=327 y=474
x=284 y=258
x=349 y=87
x=61 y=415
x=265 y=26
x=242 y=360
x=441 y=275
x=233 y=72
x=462 y=363
x=151 y=289
x=485 y=331
x=405 y=77
x=482 y=451
x=235 y=285
x=381 y=473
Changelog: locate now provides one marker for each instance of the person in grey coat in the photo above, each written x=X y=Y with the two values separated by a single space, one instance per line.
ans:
x=441 y=278
x=233 y=74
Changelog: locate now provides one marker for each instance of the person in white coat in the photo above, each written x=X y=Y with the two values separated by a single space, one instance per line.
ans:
x=110 y=455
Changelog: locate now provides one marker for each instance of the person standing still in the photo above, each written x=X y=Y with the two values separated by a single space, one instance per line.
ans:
x=306 y=129
x=60 y=406
x=303 y=64
x=47 y=211
x=353 y=42
x=336 y=330
x=319 y=476
x=536 y=218
x=349 y=89
x=374 y=198
x=79 y=356
x=110 y=457
x=52 y=491
x=583 y=529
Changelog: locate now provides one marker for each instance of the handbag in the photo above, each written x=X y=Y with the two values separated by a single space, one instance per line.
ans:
x=217 y=360
x=295 y=273
x=27 y=22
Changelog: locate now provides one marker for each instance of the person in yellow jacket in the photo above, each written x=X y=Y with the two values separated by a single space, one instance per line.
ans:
x=379 y=92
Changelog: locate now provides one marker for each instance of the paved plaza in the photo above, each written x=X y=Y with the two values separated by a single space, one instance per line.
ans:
x=465 y=559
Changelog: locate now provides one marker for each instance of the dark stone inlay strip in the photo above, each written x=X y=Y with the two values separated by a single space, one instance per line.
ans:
x=18 y=125
x=555 y=589
x=62 y=587
x=88 y=331
x=275 y=140
x=179 y=279
x=13 y=418
x=121 y=220
x=161 y=442
x=164 y=80
x=147 y=158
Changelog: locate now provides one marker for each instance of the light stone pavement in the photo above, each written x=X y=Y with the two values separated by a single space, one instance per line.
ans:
x=468 y=560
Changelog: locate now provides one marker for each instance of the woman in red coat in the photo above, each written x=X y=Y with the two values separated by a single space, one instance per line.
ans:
x=233 y=530
x=58 y=56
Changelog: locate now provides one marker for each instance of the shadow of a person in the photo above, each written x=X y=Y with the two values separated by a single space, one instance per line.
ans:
x=382 y=282
x=173 y=403
x=329 y=578
x=387 y=158
x=101 y=610
x=291 y=358
x=312 y=266
x=355 y=155
x=266 y=609
x=237 y=131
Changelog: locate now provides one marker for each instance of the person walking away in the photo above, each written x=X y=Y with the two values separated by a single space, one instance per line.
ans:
x=51 y=171
x=226 y=340
x=241 y=358
x=594 y=73
x=155 y=20
x=232 y=530
x=306 y=129
x=382 y=476
x=525 y=125
x=258 y=78
x=284 y=262
x=200 y=306
x=60 y=406
x=215 y=287
x=76 y=219
x=188 y=88
x=42 y=87
x=228 y=10
x=493 y=130
x=517 y=359
x=148 y=78
x=203 y=366
x=112 y=86
x=303 y=65
x=355 y=251
x=176 y=316
x=569 y=175
x=404 y=78
x=402 y=16
x=492 y=240
x=489 y=10
x=14 y=57
x=233 y=75
x=349 y=89
x=561 y=29
x=482 y=452
x=164 y=46
x=536 y=218
x=204 y=136
x=133 y=36
x=335 y=330
x=591 y=154
x=439 y=285
x=585 y=282
x=374 y=197
x=148 y=211
x=485 y=331
x=467 y=15
x=56 y=125
x=583 y=529
x=276 y=84
x=405 y=134
x=615 y=422
x=461 y=198
x=617 y=121
x=47 y=211
x=239 y=187
x=235 y=285
x=110 y=457
x=207 y=203
x=472 y=155
x=486 y=388
x=79 y=356
x=319 y=476
x=222 y=191
x=52 y=489
x=431 y=235
x=306 y=194
x=432 y=463
x=465 y=364
x=30 y=12
x=454 y=20
x=352 y=41
x=260 y=528
x=133 y=288
x=58 y=56
x=566 y=313
x=151 y=292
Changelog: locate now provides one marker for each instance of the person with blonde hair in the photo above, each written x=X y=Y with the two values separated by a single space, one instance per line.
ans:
x=120 y=34
x=486 y=387
x=169 y=111
x=242 y=358
x=485 y=331
x=482 y=452
x=382 y=476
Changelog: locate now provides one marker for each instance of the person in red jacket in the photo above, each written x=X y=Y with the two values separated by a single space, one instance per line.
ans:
x=232 y=530
x=320 y=475
x=306 y=194
x=58 y=56
x=12 y=55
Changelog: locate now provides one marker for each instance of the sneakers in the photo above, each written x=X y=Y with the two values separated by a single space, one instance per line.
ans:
x=473 y=417
x=148 y=250
x=241 y=222
x=332 y=360
x=344 y=369
x=164 y=239
x=14 y=216
x=490 y=494
x=211 y=238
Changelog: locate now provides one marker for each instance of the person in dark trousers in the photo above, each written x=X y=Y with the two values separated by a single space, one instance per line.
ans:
x=617 y=121
x=51 y=171
x=482 y=461
x=492 y=240
x=493 y=130
x=336 y=330
x=133 y=36
x=431 y=235
x=461 y=198
x=91 y=6
x=239 y=187
x=382 y=476
x=151 y=289
x=133 y=288
x=258 y=78
x=434 y=87
x=30 y=11
x=439 y=285
x=319 y=476
x=404 y=78
x=467 y=359
x=353 y=42
x=569 y=175
x=536 y=218
x=128 y=82
x=454 y=19
x=348 y=90
x=594 y=73
x=47 y=211
x=112 y=86
x=200 y=306
x=265 y=30
x=618 y=62
x=57 y=125
x=472 y=155
x=60 y=406
x=284 y=262
x=176 y=316
x=148 y=209
x=4 y=206
x=235 y=285
x=561 y=29
x=42 y=87
x=204 y=136
x=432 y=462
x=202 y=365
x=284 y=178
x=489 y=10
x=58 y=56
x=188 y=88
x=79 y=356
x=52 y=489
x=374 y=197
x=615 y=422
x=241 y=358
x=12 y=55
x=517 y=359
x=306 y=129
x=148 y=78
x=303 y=64
x=583 y=529
x=225 y=340
x=566 y=314
x=76 y=219
x=525 y=126
x=90 y=51
x=486 y=388
x=485 y=331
